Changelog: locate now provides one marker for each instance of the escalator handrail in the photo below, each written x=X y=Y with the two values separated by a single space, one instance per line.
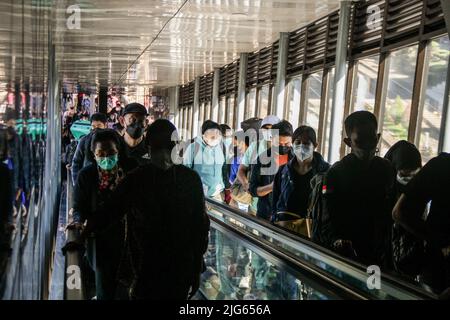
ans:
x=73 y=258
x=338 y=287
x=310 y=248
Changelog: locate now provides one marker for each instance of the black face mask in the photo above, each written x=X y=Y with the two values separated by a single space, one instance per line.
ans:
x=283 y=150
x=135 y=130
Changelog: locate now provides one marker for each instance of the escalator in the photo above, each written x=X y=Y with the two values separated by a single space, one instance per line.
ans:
x=249 y=259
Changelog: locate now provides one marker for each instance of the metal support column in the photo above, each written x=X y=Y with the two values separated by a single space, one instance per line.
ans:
x=103 y=99
x=195 y=112
x=337 y=110
x=241 y=90
x=280 y=83
x=444 y=144
x=215 y=96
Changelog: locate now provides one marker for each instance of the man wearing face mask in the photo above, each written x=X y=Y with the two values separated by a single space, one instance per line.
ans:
x=358 y=196
x=134 y=122
x=267 y=164
x=94 y=185
x=206 y=155
x=167 y=224
x=292 y=183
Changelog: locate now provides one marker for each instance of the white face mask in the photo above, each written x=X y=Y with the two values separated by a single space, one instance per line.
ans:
x=405 y=179
x=212 y=143
x=303 y=152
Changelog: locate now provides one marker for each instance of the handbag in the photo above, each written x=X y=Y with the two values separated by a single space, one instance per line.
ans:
x=408 y=252
x=238 y=194
x=294 y=223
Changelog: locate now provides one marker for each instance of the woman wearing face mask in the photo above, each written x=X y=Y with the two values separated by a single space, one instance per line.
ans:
x=94 y=185
x=407 y=250
x=291 y=186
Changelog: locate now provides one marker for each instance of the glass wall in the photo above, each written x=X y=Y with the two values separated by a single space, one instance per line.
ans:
x=432 y=98
x=365 y=84
x=263 y=101
x=396 y=109
x=313 y=96
x=250 y=104
x=292 y=105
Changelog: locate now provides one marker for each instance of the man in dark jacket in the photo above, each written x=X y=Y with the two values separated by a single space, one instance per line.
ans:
x=358 y=196
x=292 y=183
x=167 y=224
x=83 y=155
x=267 y=164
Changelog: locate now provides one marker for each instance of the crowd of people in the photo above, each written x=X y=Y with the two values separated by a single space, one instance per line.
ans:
x=139 y=197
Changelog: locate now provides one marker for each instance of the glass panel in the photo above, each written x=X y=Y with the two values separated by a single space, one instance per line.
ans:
x=396 y=110
x=328 y=106
x=251 y=104
x=263 y=102
x=365 y=84
x=293 y=95
x=313 y=96
x=432 y=98
x=223 y=101
x=236 y=270
x=230 y=111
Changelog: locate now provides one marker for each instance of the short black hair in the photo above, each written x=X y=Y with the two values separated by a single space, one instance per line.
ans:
x=3 y=143
x=223 y=128
x=160 y=135
x=104 y=135
x=10 y=114
x=284 y=128
x=99 y=117
x=209 y=124
x=305 y=130
x=404 y=156
x=359 y=119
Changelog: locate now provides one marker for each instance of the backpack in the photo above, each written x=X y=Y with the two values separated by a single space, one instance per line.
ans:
x=316 y=207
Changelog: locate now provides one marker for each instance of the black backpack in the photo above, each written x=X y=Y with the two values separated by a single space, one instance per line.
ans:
x=316 y=208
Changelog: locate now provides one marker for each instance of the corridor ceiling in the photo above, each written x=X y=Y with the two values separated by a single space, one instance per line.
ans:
x=141 y=43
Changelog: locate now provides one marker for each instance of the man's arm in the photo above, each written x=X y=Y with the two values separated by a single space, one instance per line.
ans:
x=242 y=176
x=81 y=199
x=276 y=191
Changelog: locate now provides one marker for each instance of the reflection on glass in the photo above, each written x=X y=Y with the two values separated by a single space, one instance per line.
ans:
x=223 y=101
x=235 y=272
x=250 y=104
x=365 y=84
x=432 y=98
x=293 y=96
x=313 y=96
x=397 y=104
x=328 y=106
x=230 y=111
x=263 y=102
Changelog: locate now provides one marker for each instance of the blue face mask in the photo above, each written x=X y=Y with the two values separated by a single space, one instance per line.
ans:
x=107 y=163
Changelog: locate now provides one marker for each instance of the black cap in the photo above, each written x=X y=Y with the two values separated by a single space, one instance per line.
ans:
x=134 y=108
x=209 y=124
